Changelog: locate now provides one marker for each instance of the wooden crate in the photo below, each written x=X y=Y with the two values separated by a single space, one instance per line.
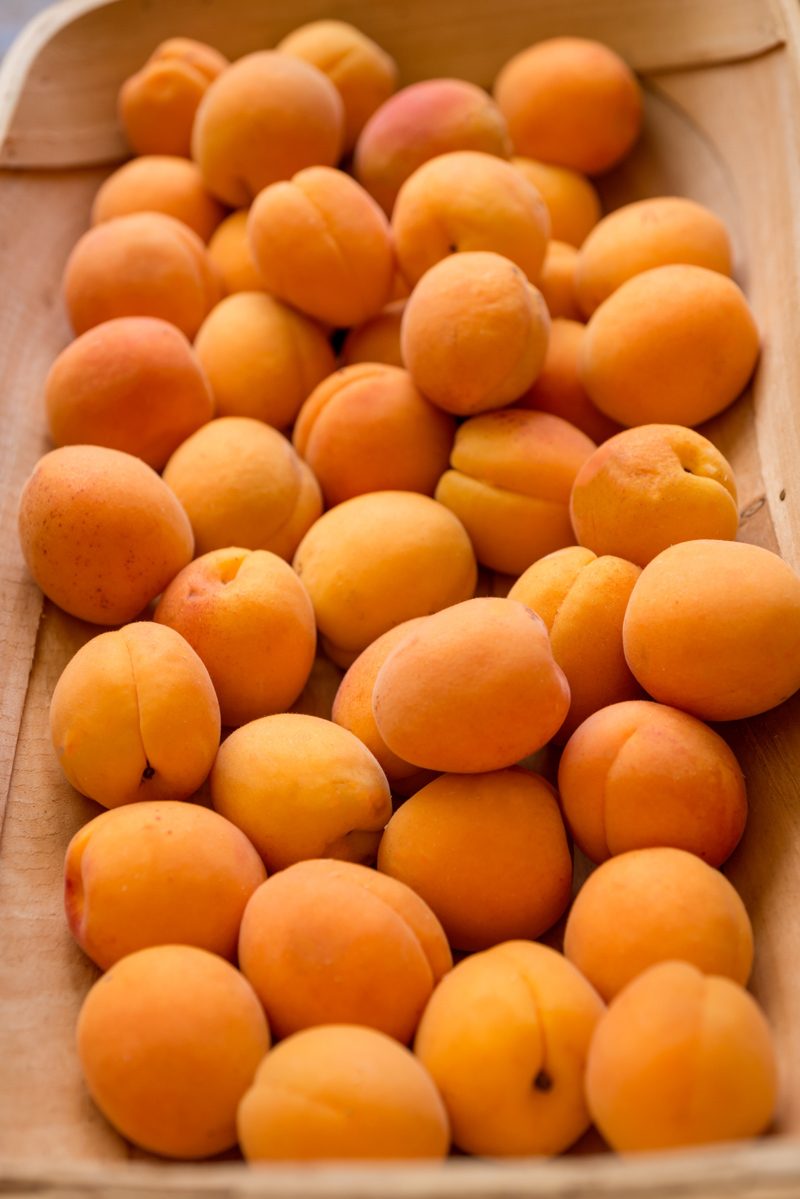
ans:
x=723 y=122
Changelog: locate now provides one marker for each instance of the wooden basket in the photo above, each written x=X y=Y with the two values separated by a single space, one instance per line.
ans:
x=723 y=126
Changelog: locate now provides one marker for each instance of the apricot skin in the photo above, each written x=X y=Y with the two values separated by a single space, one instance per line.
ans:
x=376 y=340
x=571 y=200
x=229 y=250
x=159 y=183
x=558 y=389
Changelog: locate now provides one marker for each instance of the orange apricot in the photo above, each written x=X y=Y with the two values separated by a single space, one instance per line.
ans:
x=327 y=942
x=316 y=698
x=471 y=689
x=159 y=183
x=322 y=244
x=572 y=201
x=680 y=1059
x=652 y=905
x=620 y=788
x=250 y=620
x=558 y=389
x=505 y=1037
x=101 y=533
x=377 y=339
x=713 y=627
x=229 y=250
x=166 y=1070
x=571 y=102
x=557 y=281
x=158 y=873
x=474 y=333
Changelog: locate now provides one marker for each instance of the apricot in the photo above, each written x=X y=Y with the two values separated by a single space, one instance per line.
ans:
x=582 y=599
x=134 y=716
x=679 y=1059
x=132 y=384
x=505 y=1038
x=377 y=339
x=326 y=942
x=558 y=389
x=265 y=118
x=316 y=698
x=250 y=620
x=159 y=183
x=474 y=333
x=676 y=344
x=385 y=1103
x=241 y=483
x=166 y=1070
x=368 y=428
x=419 y=123
x=650 y=487
x=144 y=264
x=509 y=483
x=101 y=533
x=620 y=788
x=352 y=706
x=557 y=281
x=301 y=787
x=487 y=852
x=229 y=250
x=322 y=244
x=473 y=688
x=262 y=358
x=379 y=559
x=157 y=105
x=652 y=905
x=466 y=200
x=363 y=74
x=713 y=627
x=572 y=201
x=158 y=873
x=571 y=102
x=644 y=235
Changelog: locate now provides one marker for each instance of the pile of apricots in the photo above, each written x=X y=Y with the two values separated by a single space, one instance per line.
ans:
x=375 y=450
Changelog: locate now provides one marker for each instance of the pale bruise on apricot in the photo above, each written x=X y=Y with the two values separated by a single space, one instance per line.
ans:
x=681 y=1059
x=158 y=873
x=134 y=716
x=558 y=389
x=327 y=942
x=653 y=905
x=101 y=533
x=571 y=199
x=557 y=281
x=487 y=852
x=167 y=1071
x=229 y=250
x=376 y=340
x=250 y=620
x=159 y=183
x=301 y=787
x=157 y=105
x=582 y=599
x=473 y=688
x=505 y=1037
x=620 y=788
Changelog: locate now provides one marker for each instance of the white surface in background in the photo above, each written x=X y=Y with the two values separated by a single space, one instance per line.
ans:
x=14 y=14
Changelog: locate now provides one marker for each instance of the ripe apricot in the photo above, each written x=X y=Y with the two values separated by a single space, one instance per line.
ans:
x=385 y=1103
x=326 y=942
x=620 y=788
x=505 y=1037
x=466 y=201
x=322 y=244
x=301 y=787
x=473 y=688
x=572 y=201
x=571 y=102
x=158 y=873
x=267 y=116
x=713 y=627
x=509 y=483
x=132 y=384
x=675 y=344
x=377 y=339
x=363 y=74
x=558 y=389
x=230 y=252
x=157 y=105
x=101 y=533
x=379 y=559
x=368 y=428
x=262 y=358
x=159 y=183
x=652 y=905
x=474 y=333
x=144 y=264
x=250 y=620
x=166 y=1070
x=557 y=281
x=582 y=600
x=487 y=852
x=680 y=1059
x=650 y=487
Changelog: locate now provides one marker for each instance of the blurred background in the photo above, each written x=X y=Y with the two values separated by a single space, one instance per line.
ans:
x=14 y=14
